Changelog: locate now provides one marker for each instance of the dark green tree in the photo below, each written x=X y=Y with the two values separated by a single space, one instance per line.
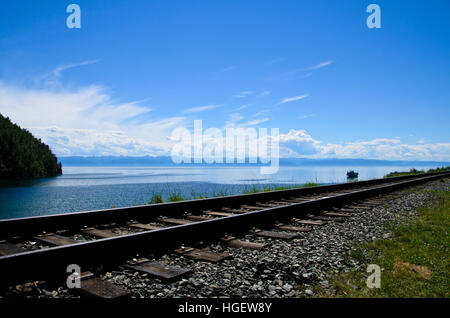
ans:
x=24 y=156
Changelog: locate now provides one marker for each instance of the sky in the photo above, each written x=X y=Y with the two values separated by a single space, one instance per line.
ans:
x=137 y=70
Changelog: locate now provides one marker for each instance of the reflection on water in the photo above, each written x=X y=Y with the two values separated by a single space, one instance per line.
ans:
x=89 y=188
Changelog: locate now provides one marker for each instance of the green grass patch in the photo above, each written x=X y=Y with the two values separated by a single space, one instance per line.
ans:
x=156 y=198
x=415 y=171
x=414 y=262
x=174 y=197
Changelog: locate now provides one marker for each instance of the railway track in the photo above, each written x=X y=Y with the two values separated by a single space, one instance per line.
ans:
x=41 y=248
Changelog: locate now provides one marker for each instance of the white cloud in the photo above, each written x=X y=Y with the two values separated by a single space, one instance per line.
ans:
x=265 y=93
x=292 y=99
x=302 y=72
x=320 y=65
x=89 y=107
x=299 y=143
x=233 y=119
x=382 y=149
x=256 y=122
x=86 y=121
x=200 y=108
x=242 y=107
x=57 y=71
x=52 y=78
x=243 y=94
x=307 y=116
x=150 y=139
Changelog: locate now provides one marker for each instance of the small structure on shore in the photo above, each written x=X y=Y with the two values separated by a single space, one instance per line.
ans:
x=352 y=174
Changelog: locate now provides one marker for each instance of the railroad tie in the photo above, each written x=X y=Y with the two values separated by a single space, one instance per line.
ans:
x=99 y=233
x=277 y=235
x=236 y=243
x=94 y=287
x=173 y=221
x=339 y=214
x=213 y=213
x=197 y=218
x=283 y=202
x=347 y=210
x=9 y=249
x=202 y=255
x=325 y=218
x=293 y=228
x=231 y=210
x=267 y=205
x=310 y=222
x=359 y=207
x=298 y=200
x=251 y=207
x=159 y=270
x=55 y=239
x=146 y=227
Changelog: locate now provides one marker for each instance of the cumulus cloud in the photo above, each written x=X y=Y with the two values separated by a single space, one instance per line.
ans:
x=299 y=143
x=92 y=142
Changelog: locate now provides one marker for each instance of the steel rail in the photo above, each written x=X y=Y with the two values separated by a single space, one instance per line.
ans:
x=52 y=262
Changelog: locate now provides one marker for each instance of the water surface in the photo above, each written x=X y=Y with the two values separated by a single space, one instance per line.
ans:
x=91 y=188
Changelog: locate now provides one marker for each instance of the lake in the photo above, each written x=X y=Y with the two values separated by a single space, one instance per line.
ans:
x=91 y=188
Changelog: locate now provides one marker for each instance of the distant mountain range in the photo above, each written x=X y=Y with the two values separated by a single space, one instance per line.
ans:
x=167 y=161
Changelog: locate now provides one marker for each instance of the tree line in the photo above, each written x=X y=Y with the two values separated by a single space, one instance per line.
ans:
x=24 y=156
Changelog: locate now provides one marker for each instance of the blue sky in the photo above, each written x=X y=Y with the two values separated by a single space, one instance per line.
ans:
x=137 y=70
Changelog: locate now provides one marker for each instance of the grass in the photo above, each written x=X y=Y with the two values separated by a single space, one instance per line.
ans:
x=156 y=198
x=255 y=189
x=414 y=263
x=415 y=171
x=177 y=196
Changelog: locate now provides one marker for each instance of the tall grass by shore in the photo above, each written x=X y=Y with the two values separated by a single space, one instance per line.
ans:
x=175 y=196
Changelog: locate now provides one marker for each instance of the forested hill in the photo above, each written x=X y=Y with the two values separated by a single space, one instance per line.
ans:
x=24 y=156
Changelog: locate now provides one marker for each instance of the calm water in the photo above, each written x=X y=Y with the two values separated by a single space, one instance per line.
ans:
x=91 y=188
